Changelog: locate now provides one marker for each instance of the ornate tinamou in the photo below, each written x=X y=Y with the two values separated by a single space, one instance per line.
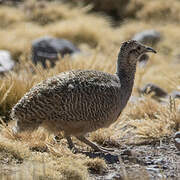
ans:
x=80 y=101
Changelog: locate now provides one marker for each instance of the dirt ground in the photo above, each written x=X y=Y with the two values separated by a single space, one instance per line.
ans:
x=158 y=160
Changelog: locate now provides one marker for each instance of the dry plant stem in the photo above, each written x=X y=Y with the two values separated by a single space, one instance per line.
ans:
x=8 y=130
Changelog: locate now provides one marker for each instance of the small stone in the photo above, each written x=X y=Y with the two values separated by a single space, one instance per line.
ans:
x=177 y=134
x=157 y=92
x=165 y=167
x=148 y=163
x=126 y=152
x=177 y=140
x=159 y=161
x=113 y=176
x=175 y=94
x=153 y=169
x=6 y=61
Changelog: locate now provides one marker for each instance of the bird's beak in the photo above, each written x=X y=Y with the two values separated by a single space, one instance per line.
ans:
x=149 y=49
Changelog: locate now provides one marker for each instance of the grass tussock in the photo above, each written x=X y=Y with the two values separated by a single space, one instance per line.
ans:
x=63 y=170
x=11 y=18
x=97 y=166
x=158 y=10
x=147 y=121
x=14 y=149
x=104 y=137
x=41 y=157
x=62 y=23
x=13 y=87
x=138 y=9
x=43 y=13
x=146 y=108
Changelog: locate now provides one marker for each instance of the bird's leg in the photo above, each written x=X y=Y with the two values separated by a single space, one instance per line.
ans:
x=93 y=145
x=71 y=145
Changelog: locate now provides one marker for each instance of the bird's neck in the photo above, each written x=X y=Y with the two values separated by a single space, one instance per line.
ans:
x=126 y=75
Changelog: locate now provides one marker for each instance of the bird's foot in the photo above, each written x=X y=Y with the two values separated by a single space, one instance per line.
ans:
x=107 y=149
x=75 y=150
x=103 y=150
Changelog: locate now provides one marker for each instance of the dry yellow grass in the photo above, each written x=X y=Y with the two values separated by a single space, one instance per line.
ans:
x=12 y=17
x=144 y=121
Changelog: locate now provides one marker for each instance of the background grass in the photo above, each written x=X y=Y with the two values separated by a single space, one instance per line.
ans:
x=35 y=154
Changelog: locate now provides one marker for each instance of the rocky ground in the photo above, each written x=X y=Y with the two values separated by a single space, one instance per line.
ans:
x=158 y=160
x=152 y=161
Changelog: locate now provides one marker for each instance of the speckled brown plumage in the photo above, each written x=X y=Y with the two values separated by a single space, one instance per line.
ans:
x=80 y=101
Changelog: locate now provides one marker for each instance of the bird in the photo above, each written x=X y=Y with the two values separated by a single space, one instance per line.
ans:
x=78 y=102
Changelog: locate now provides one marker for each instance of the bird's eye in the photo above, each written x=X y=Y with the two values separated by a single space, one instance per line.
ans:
x=138 y=48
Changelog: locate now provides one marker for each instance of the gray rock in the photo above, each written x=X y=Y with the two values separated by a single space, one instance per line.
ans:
x=6 y=62
x=143 y=60
x=155 y=90
x=148 y=37
x=48 y=48
x=175 y=94
x=177 y=134
x=177 y=140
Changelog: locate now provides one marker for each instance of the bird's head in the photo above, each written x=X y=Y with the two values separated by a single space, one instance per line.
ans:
x=132 y=51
